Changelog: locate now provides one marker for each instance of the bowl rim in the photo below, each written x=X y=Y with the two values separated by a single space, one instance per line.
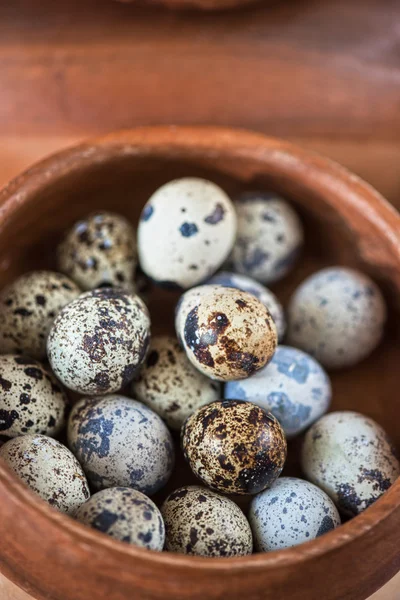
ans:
x=156 y=141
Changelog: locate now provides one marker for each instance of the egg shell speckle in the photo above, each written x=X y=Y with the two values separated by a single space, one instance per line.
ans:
x=126 y=515
x=337 y=315
x=269 y=237
x=31 y=399
x=49 y=469
x=228 y=334
x=264 y=295
x=292 y=511
x=121 y=442
x=100 y=250
x=186 y=231
x=28 y=307
x=293 y=386
x=201 y=522
x=98 y=342
x=187 y=302
x=234 y=447
x=170 y=385
x=350 y=457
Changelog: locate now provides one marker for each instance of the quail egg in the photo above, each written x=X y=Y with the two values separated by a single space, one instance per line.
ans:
x=186 y=231
x=234 y=447
x=28 y=307
x=228 y=334
x=337 y=315
x=269 y=237
x=121 y=442
x=247 y=284
x=201 y=522
x=350 y=457
x=31 y=399
x=99 y=251
x=98 y=342
x=170 y=385
x=49 y=469
x=290 y=512
x=126 y=515
x=293 y=386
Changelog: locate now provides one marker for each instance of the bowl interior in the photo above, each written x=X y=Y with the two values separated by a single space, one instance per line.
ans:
x=122 y=181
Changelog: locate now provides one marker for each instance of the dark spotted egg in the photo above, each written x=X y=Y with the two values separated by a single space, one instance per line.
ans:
x=121 y=442
x=269 y=237
x=201 y=522
x=227 y=334
x=338 y=316
x=290 y=512
x=234 y=447
x=99 y=251
x=350 y=457
x=186 y=231
x=31 y=399
x=293 y=386
x=28 y=307
x=170 y=385
x=49 y=469
x=126 y=515
x=247 y=284
x=98 y=342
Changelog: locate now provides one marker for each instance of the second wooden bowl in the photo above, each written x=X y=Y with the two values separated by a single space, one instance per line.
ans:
x=347 y=222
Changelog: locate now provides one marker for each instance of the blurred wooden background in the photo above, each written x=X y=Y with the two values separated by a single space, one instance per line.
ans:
x=322 y=73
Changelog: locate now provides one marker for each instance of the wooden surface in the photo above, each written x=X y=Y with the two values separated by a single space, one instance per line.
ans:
x=325 y=74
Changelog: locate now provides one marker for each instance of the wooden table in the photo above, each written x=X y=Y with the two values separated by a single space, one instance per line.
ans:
x=323 y=74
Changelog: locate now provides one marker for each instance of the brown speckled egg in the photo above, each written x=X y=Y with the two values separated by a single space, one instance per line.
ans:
x=49 y=469
x=98 y=342
x=234 y=447
x=121 y=442
x=350 y=457
x=31 y=399
x=170 y=385
x=28 y=307
x=201 y=522
x=228 y=334
x=126 y=515
x=99 y=251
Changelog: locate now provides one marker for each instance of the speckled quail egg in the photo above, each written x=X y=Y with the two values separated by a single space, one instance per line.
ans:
x=228 y=334
x=201 y=522
x=98 y=342
x=269 y=237
x=234 y=447
x=290 y=512
x=350 y=457
x=126 y=515
x=337 y=315
x=186 y=231
x=31 y=399
x=293 y=386
x=49 y=469
x=99 y=251
x=121 y=442
x=28 y=307
x=170 y=385
x=247 y=284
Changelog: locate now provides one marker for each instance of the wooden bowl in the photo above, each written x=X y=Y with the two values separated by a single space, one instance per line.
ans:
x=217 y=5
x=50 y=555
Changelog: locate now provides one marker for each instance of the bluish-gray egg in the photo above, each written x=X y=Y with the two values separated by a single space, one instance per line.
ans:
x=292 y=511
x=269 y=237
x=247 y=284
x=337 y=315
x=293 y=387
x=121 y=442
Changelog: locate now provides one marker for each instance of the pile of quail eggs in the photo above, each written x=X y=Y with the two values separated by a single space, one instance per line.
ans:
x=93 y=410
